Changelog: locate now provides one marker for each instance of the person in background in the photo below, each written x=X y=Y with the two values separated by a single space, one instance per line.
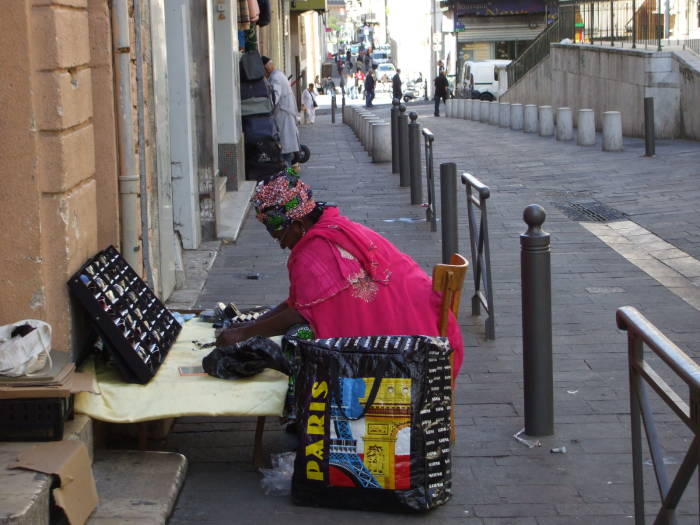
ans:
x=348 y=57
x=359 y=81
x=285 y=111
x=396 y=85
x=345 y=280
x=441 y=85
x=369 y=88
x=308 y=105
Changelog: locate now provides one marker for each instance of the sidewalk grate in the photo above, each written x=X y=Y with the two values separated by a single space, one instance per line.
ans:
x=590 y=211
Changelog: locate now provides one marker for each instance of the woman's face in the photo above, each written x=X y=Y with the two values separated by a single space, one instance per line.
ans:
x=289 y=236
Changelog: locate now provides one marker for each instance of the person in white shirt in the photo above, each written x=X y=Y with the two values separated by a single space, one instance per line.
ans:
x=285 y=110
x=308 y=105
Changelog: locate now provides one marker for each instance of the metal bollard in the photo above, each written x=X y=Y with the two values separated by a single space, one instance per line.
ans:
x=535 y=274
x=649 y=138
x=404 y=173
x=333 y=105
x=414 y=159
x=448 y=210
x=395 y=135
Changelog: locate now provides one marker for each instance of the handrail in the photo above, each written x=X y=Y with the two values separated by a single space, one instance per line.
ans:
x=430 y=212
x=630 y=320
x=481 y=252
x=533 y=54
x=640 y=332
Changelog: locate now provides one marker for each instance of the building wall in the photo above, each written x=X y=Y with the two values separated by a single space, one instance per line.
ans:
x=613 y=79
x=48 y=201
x=690 y=95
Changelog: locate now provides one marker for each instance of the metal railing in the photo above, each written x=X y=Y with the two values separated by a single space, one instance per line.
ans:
x=617 y=23
x=430 y=213
x=534 y=53
x=477 y=194
x=641 y=332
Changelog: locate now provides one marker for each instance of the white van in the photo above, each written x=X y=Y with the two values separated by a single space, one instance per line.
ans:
x=485 y=78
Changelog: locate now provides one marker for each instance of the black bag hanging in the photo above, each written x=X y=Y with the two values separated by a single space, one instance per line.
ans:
x=373 y=423
x=251 y=66
x=265 y=13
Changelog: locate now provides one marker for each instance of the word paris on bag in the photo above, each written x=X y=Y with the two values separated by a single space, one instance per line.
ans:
x=373 y=422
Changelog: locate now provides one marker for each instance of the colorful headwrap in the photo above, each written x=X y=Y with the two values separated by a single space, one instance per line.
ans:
x=281 y=199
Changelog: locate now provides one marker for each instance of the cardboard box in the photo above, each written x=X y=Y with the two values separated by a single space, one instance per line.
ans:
x=69 y=460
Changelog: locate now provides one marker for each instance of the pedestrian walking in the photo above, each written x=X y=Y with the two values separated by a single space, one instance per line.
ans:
x=396 y=85
x=309 y=105
x=285 y=110
x=441 y=85
x=369 y=88
x=348 y=57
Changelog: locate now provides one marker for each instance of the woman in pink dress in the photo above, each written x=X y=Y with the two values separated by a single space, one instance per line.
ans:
x=345 y=279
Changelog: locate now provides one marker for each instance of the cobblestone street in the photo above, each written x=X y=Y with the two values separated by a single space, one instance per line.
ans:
x=496 y=480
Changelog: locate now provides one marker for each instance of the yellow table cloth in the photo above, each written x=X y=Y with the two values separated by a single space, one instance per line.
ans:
x=169 y=394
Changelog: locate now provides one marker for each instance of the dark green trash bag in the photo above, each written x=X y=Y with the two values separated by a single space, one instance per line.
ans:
x=373 y=422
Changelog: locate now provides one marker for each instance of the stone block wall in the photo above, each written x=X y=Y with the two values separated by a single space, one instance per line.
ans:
x=53 y=141
x=614 y=79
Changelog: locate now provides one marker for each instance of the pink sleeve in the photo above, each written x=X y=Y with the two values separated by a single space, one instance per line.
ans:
x=319 y=273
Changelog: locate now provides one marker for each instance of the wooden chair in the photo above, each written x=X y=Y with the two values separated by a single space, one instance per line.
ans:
x=448 y=280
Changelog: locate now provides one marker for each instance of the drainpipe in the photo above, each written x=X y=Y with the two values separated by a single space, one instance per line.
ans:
x=128 y=177
x=141 y=104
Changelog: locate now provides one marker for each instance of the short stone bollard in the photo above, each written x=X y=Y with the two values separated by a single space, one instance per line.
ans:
x=504 y=114
x=530 y=124
x=484 y=110
x=381 y=142
x=585 y=135
x=460 y=108
x=516 y=117
x=565 y=124
x=612 y=131
x=368 y=133
x=546 y=121
x=493 y=113
x=448 y=108
x=468 y=108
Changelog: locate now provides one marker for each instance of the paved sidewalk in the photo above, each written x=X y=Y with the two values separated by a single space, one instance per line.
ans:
x=496 y=480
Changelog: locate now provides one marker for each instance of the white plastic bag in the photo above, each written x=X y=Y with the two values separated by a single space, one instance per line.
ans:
x=24 y=355
x=277 y=481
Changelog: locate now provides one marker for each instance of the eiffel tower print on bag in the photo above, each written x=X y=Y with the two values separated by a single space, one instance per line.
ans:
x=373 y=422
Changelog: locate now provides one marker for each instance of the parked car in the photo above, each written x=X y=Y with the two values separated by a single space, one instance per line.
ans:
x=486 y=79
x=379 y=57
x=385 y=72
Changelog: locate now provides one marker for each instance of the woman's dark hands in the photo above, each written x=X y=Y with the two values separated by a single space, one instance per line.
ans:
x=231 y=336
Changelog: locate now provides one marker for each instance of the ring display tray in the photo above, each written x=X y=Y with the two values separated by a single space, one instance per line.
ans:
x=125 y=312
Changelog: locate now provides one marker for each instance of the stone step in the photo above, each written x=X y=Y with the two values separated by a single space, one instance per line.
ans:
x=24 y=495
x=136 y=486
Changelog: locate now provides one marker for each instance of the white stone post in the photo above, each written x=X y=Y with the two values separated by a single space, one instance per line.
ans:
x=612 y=131
x=381 y=142
x=468 y=109
x=460 y=108
x=484 y=110
x=565 y=124
x=586 y=127
x=448 y=108
x=546 y=124
x=530 y=125
x=516 y=117
x=493 y=113
x=504 y=114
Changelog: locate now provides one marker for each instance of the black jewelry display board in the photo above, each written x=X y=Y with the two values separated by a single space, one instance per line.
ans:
x=125 y=312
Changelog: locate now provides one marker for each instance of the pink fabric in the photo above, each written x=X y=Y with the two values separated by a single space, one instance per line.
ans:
x=348 y=281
